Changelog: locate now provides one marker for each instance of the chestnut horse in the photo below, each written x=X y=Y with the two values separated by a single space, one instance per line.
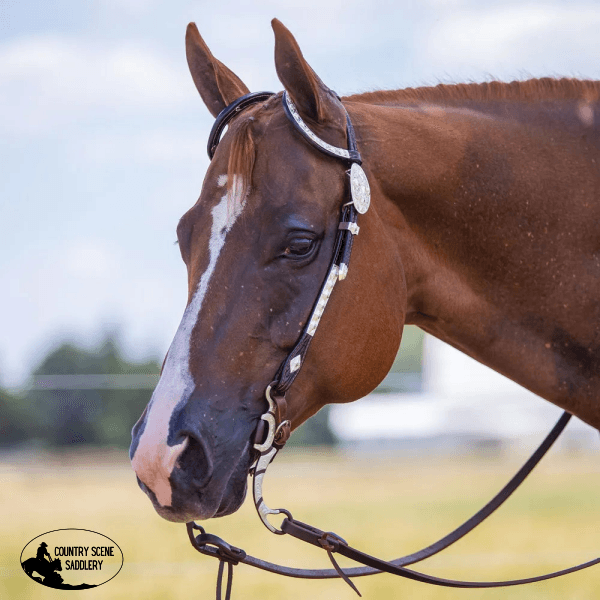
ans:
x=484 y=230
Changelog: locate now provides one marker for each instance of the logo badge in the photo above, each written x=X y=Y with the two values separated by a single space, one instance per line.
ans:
x=71 y=559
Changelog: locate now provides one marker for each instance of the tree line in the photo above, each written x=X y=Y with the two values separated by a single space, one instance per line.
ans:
x=94 y=396
x=56 y=411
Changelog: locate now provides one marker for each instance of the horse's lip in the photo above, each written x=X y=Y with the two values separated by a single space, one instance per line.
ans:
x=198 y=512
x=193 y=509
x=192 y=500
x=195 y=505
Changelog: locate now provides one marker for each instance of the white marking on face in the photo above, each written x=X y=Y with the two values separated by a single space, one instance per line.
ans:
x=222 y=180
x=154 y=460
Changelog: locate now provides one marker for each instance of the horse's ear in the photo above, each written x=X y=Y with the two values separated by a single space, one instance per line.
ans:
x=311 y=96
x=217 y=85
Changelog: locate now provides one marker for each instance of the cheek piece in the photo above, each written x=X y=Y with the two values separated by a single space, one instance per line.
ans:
x=274 y=427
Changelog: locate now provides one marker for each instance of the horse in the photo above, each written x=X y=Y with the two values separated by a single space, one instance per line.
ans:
x=45 y=568
x=483 y=231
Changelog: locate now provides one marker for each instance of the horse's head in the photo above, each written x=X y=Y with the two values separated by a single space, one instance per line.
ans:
x=257 y=246
x=56 y=565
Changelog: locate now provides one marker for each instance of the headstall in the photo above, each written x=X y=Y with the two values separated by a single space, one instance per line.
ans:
x=274 y=428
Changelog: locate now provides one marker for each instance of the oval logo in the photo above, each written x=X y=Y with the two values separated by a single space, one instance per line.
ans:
x=71 y=559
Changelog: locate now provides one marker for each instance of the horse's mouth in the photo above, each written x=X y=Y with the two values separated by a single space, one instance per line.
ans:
x=190 y=503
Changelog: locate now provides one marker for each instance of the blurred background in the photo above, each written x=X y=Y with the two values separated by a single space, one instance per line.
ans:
x=103 y=149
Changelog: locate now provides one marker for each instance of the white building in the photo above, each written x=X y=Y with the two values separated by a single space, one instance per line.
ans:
x=462 y=404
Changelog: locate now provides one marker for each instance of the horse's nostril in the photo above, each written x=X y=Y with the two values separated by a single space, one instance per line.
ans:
x=195 y=461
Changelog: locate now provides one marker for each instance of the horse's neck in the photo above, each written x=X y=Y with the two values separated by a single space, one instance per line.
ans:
x=494 y=220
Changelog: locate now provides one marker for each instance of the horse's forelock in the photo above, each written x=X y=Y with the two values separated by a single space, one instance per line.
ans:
x=240 y=165
x=242 y=155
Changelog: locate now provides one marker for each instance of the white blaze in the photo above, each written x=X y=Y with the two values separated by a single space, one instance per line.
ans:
x=222 y=180
x=154 y=460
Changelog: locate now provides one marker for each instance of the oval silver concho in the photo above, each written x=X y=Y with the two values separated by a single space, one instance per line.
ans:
x=359 y=187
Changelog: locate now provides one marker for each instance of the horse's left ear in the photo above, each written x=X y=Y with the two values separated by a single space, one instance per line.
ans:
x=314 y=100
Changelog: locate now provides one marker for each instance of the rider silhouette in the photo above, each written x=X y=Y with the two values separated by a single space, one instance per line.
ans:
x=42 y=552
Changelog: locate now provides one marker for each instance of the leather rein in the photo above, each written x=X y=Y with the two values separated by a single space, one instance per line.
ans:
x=274 y=428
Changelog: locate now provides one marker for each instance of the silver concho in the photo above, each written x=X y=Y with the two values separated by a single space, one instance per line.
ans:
x=359 y=187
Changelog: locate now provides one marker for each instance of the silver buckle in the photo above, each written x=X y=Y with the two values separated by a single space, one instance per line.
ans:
x=269 y=418
x=267 y=454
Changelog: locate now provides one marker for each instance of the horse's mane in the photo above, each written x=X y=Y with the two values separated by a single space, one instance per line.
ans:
x=545 y=88
x=243 y=149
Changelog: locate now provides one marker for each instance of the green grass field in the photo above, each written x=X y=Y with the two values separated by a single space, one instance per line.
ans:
x=382 y=505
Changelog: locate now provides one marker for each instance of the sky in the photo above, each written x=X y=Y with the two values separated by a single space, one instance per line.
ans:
x=103 y=134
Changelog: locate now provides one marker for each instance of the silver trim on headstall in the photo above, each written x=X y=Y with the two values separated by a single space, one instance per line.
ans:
x=360 y=198
x=295 y=363
x=359 y=187
x=341 y=152
x=359 y=184
x=323 y=299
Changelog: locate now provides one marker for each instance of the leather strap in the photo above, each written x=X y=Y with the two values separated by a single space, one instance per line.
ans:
x=351 y=154
x=284 y=426
x=314 y=536
x=228 y=113
x=220 y=580
x=287 y=374
x=214 y=546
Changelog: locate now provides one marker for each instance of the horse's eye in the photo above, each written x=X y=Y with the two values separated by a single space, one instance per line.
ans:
x=299 y=247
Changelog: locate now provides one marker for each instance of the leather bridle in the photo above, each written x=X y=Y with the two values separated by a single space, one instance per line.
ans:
x=274 y=428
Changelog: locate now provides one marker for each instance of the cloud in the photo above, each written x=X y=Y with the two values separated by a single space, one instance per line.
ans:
x=541 y=39
x=49 y=82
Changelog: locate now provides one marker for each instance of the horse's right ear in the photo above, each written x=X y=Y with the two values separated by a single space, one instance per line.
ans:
x=217 y=85
x=313 y=99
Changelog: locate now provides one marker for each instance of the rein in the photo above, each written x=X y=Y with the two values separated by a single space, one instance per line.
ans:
x=274 y=428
